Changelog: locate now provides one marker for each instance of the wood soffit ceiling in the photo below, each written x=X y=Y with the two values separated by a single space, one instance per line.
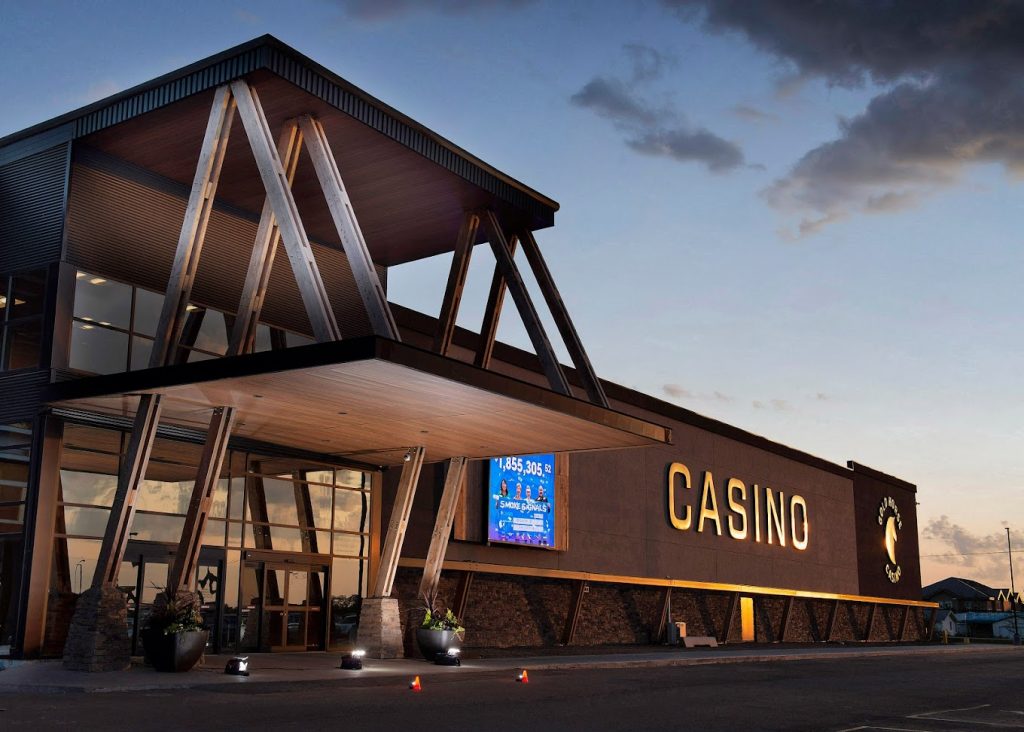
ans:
x=368 y=399
x=408 y=206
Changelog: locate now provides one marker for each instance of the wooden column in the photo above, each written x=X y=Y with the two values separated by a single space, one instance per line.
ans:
x=442 y=526
x=562 y=320
x=183 y=570
x=574 y=612
x=399 y=522
x=193 y=229
x=521 y=297
x=456 y=283
x=268 y=235
x=352 y=240
x=286 y=213
x=492 y=313
x=833 y=615
x=122 y=510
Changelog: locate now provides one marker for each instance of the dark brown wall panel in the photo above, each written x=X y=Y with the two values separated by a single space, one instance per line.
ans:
x=32 y=209
x=870 y=488
x=128 y=231
x=22 y=393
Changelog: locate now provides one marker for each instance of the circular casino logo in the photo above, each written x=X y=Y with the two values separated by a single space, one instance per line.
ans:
x=889 y=518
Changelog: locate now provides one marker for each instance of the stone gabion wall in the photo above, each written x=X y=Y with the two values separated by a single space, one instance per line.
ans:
x=508 y=611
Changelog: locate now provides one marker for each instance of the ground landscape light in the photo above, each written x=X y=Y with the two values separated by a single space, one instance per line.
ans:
x=238 y=666
x=448 y=658
x=353 y=660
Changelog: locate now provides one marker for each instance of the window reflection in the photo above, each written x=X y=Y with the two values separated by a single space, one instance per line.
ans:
x=22 y=301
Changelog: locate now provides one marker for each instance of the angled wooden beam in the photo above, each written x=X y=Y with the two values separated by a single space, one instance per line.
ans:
x=352 y=241
x=186 y=558
x=456 y=283
x=268 y=235
x=734 y=601
x=442 y=526
x=871 y=621
x=392 y=550
x=560 y=315
x=122 y=510
x=189 y=334
x=575 y=607
x=286 y=213
x=666 y=615
x=833 y=616
x=462 y=595
x=521 y=297
x=492 y=312
x=193 y=230
x=904 y=622
x=787 y=614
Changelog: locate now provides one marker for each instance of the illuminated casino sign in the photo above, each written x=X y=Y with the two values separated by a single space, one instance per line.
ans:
x=889 y=518
x=758 y=514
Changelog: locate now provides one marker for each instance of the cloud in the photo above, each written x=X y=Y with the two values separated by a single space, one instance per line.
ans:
x=752 y=114
x=375 y=10
x=650 y=129
x=952 y=95
x=984 y=555
x=778 y=405
x=676 y=391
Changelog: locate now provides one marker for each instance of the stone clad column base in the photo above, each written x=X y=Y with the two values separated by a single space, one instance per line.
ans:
x=98 y=636
x=380 y=628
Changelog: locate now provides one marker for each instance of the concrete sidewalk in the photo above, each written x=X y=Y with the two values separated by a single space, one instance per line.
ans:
x=282 y=669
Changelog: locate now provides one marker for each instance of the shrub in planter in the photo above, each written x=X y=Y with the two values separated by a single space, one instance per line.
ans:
x=440 y=629
x=174 y=638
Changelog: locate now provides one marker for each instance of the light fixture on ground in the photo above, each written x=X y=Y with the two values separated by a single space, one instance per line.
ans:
x=238 y=666
x=353 y=660
x=448 y=658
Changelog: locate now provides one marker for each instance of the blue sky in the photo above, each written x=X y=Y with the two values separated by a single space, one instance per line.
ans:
x=890 y=334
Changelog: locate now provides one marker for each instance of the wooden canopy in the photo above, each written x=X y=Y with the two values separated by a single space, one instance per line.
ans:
x=368 y=399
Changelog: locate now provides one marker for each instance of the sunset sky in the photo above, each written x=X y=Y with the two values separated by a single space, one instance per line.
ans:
x=805 y=222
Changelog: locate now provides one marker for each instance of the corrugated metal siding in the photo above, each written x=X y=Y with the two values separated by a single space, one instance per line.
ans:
x=21 y=394
x=110 y=218
x=32 y=209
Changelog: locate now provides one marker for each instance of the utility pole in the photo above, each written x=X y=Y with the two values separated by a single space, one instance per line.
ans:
x=1013 y=590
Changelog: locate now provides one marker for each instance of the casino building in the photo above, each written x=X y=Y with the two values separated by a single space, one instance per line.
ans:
x=204 y=387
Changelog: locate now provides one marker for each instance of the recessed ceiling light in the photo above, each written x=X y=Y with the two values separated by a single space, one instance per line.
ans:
x=97 y=281
x=79 y=275
x=190 y=307
x=88 y=327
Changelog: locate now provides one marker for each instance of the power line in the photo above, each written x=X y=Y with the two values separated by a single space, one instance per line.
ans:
x=962 y=554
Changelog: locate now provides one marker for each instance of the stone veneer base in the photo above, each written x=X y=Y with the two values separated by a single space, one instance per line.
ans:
x=98 y=636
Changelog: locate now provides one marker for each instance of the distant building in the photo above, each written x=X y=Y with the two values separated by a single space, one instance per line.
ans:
x=945 y=622
x=1006 y=600
x=961 y=595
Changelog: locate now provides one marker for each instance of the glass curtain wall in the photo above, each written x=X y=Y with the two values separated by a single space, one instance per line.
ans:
x=114 y=324
x=263 y=505
x=22 y=300
x=15 y=451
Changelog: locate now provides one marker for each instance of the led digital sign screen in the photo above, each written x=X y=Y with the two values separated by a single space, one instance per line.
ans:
x=521 y=500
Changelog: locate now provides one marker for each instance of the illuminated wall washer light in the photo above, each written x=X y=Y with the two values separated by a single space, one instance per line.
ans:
x=448 y=658
x=238 y=666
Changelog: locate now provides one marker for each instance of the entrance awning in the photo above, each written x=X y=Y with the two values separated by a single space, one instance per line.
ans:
x=367 y=398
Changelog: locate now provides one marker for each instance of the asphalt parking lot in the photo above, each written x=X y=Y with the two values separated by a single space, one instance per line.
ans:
x=945 y=692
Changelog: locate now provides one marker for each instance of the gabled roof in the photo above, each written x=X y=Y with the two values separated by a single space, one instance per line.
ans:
x=959 y=587
x=315 y=89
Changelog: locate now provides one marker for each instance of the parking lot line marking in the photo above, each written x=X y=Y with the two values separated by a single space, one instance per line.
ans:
x=947 y=711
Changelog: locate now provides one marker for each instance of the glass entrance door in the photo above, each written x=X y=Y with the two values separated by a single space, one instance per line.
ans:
x=283 y=606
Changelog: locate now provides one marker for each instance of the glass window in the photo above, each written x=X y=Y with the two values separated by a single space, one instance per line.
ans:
x=349 y=545
x=88 y=488
x=142 y=348
x=157 y=527
x=147 y=311
x=28 y=293
x=96 y=349
x=103 y=301
x=213 y=333
x=24 y=339
x=80 y=521
x=164 y=496
x=349 y=511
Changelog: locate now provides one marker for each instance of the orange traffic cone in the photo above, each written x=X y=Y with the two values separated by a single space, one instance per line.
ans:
x=523 y=678
x=415 y=684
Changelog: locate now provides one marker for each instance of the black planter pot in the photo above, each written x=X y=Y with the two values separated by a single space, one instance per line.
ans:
x=432 y=642
x=175 y=652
